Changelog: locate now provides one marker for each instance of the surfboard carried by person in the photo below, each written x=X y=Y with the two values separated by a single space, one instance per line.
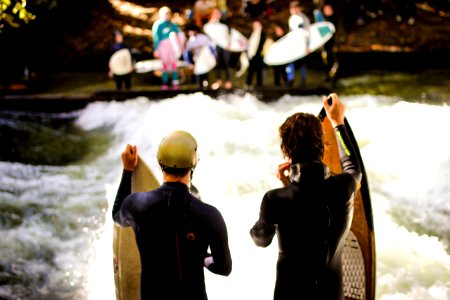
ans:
x=292 y=46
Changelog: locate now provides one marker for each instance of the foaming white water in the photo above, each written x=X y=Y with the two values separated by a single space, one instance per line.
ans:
x=406 y=155
x=44 y=243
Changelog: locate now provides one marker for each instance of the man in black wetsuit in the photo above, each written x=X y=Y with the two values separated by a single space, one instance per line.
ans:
x=173 y=228
x=312 y=213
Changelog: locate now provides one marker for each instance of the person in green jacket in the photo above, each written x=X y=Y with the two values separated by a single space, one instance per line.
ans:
x=168 y=44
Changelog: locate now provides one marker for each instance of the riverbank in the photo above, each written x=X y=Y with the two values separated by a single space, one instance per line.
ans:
x=63 y=92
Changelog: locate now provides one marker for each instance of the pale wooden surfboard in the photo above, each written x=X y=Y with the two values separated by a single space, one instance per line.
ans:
x=121 y=62
x=127 y=264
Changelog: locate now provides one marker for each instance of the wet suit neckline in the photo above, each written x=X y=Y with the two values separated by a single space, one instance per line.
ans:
x=296 y=170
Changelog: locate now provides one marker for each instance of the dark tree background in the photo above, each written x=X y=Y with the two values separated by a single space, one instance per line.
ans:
x=70 y=35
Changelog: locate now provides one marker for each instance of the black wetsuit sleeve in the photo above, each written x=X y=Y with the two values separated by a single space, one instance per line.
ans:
x=263 y=231
x=347 y=154
x=220 y=250
x=123 y=191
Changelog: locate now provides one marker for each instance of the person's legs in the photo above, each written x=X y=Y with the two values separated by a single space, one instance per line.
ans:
x=203 y=81
x=226 y=60
x=175 y=80
x=220 y=62
x=259 y=71
x=127 y=81
x=303 y=72
x=165 y=77
x=118 y=80
x=169 y=64
x=276 y=75
x=250 y=72
x=290 y=74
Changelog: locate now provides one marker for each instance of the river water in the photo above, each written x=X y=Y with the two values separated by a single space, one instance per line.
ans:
x=59 y=175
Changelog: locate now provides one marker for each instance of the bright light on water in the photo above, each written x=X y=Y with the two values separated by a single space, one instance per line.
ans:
x=405 y=149
x=406 y=155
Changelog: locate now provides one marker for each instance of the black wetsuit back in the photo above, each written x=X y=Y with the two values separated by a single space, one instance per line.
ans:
x=173 y=231
x=311 y=218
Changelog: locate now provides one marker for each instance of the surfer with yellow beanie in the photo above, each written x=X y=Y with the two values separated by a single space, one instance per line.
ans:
x=173 y=228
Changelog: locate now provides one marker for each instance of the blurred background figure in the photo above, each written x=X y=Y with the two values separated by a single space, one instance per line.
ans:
x=328 y=54
x=194 y=45
x=254 y=52
x=279 y=71
x=202 y=11
x=272 y=7
x=222 y=6
x=254 y=9
x=120 y=64
x=216 y=24
x=168 y=43
x=298 y=19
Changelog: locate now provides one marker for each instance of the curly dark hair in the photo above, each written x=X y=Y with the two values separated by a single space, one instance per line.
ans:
x=302 y=138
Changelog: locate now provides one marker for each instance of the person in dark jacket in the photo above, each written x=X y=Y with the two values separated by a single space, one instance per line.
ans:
x=279 y=71
x=312 y=214
x=256 y=66
x=173 y=228
x=125 y=78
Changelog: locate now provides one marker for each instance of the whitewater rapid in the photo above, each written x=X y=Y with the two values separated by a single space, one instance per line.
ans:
x=67 y=242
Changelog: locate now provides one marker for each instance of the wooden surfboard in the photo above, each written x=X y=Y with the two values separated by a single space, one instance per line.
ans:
x=127 y=264
x=359 y=249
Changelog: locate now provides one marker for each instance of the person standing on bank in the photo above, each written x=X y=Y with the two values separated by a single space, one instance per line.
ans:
x=173 y=228
x=194 y=45
x=256 y=66
x=312 y=213
x=328 y=55
x=122 y=74
x=223 y=55
x=297 y=20
x=162 y=30
x=279 y=71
